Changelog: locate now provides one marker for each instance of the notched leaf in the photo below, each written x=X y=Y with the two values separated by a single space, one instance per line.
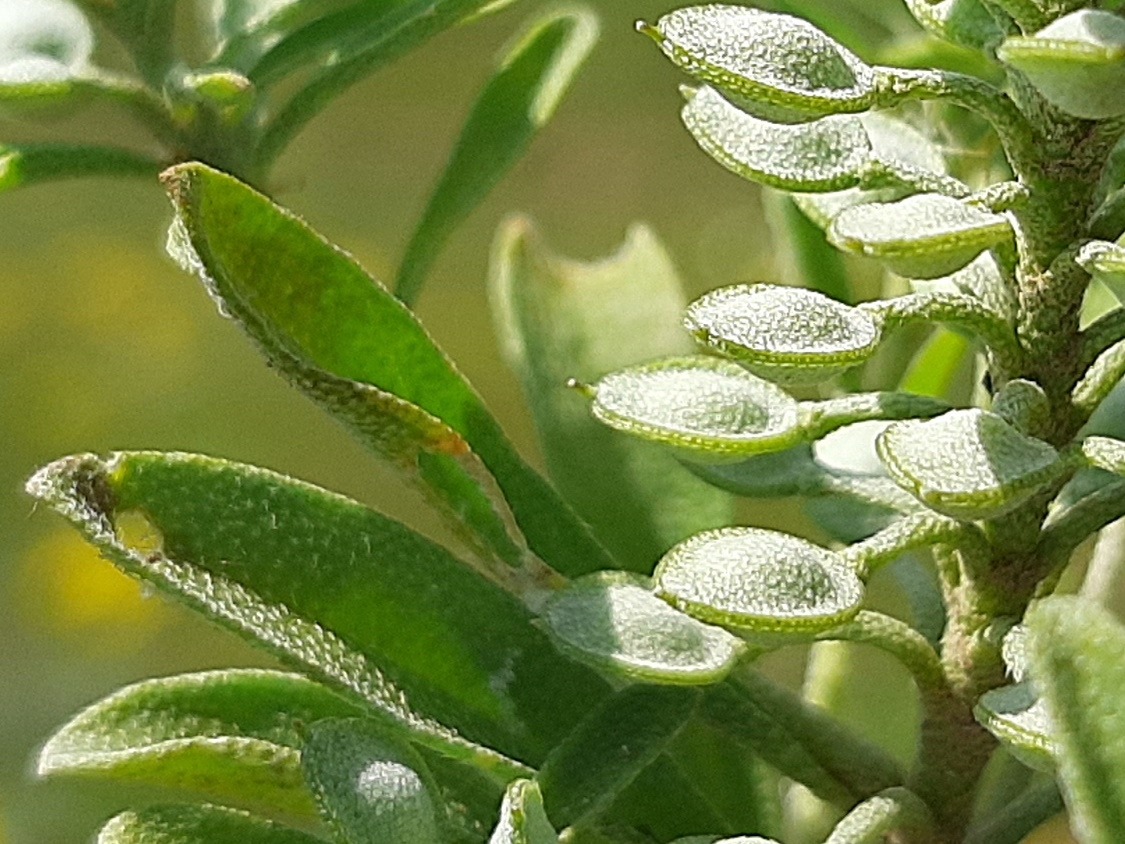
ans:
x=923 y=236
x=786 y=334
x=704 y=406
x=968 y=464
x=759 y=581
x=614 y=622
x=780 y=67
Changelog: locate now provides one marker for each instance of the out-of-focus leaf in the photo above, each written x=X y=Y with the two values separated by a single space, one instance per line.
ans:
x=29 y=164
x=613 y=622
x=1076 y=62
x=938 y=365
x=558 y=319
x=1018 y=718
x=786 y=334
x=522 y=95
x=759 y=581
x=781 y=67
x=1075 y=658
x=335 y=588
x=895 y=809
x=230 y=735
x=699 y=404
x=969 y=464
x=923 y=236
x=964 y=22
x=522 y=819
x=187 y=824
x=44 y=45
x=335 y=332
x=610 y=747
x=144 y=26
x=370 y=791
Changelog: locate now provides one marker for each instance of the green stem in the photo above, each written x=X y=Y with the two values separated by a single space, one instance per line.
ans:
x=920 y=530
x=819 y=418
x=140 y=101
x=898 y=639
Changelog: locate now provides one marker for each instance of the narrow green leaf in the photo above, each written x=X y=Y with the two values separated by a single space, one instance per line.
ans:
x=785 y=334
x=529 y=82
x=607 y=750
x=923 y=236
x=969 y=464
x=782 y=67
x=701 y=405
x=189 y=824
x=24 y=165
x=229 y=735
x=804 y=254
x=611 y=621
x=774 y=475
x=326 y=323
x=522 y=819
x=759 y=581
x=334 y=588
x=559 y=318
x=1075 y=657
x=370 y=791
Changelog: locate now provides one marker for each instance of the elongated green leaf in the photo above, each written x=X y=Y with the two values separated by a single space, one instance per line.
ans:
x=334 y=587
x=522 y=95
x=759 y=581
x=786 y=334
x=613 y=622
x=29 y=164
x=610 y=747
x=323 y=320
x=559 y=319
x=522 y=819
x=1075 y=657
x=197 y=825
x=370 y=790
x=230 y=735
x=969 y=464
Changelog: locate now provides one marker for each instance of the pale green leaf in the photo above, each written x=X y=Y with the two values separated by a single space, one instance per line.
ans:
x=1075 y=657
x=1105 y=262
x=964 y=22
x=44 y=45
x=522 y=819
x=1024 y=405
x=370 y=791
x=1076 y=62
x=1105 y=453
x=893 y=810
x=187 y=824
x=782 y=67
x=607 y=750
x=560 y=318
x=613 y=622
x=786 y=334
x=922 y=236
x=701 y=405
x=229 y=735
x=522 y=95
x=823 y=155
x=759 y=581
x=969 y=464
x=1018 y=718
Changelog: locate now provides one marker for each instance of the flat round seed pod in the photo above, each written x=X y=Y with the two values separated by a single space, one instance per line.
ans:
x=759 y=581
x=787 y=334
x=705 y=405
x=822 y=155
x=1106 y=262
x=1076 y=62
x=969 y=464
x=782 y=68
x=612 y=622
x=923 y=236
x=1017 y=717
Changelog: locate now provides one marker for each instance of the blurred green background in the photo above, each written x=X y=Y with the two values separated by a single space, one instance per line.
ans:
x=106 y=345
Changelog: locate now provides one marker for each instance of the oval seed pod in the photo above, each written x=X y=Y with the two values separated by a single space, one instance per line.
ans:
x=823 y=155
x=706 y=406
x=1076 y=62
x=779 y=67
x=613 y=622
x=968 y=464
x=923 y=236
x=759 y=581
x=787 y=334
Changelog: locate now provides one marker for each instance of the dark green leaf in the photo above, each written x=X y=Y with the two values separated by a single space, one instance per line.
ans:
x=559 y=319
x=607 y=750
x=230 y=735
x=28 y=164
x=370 y=791
x=522 y=95
x=197 y=825
x=357 y=350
